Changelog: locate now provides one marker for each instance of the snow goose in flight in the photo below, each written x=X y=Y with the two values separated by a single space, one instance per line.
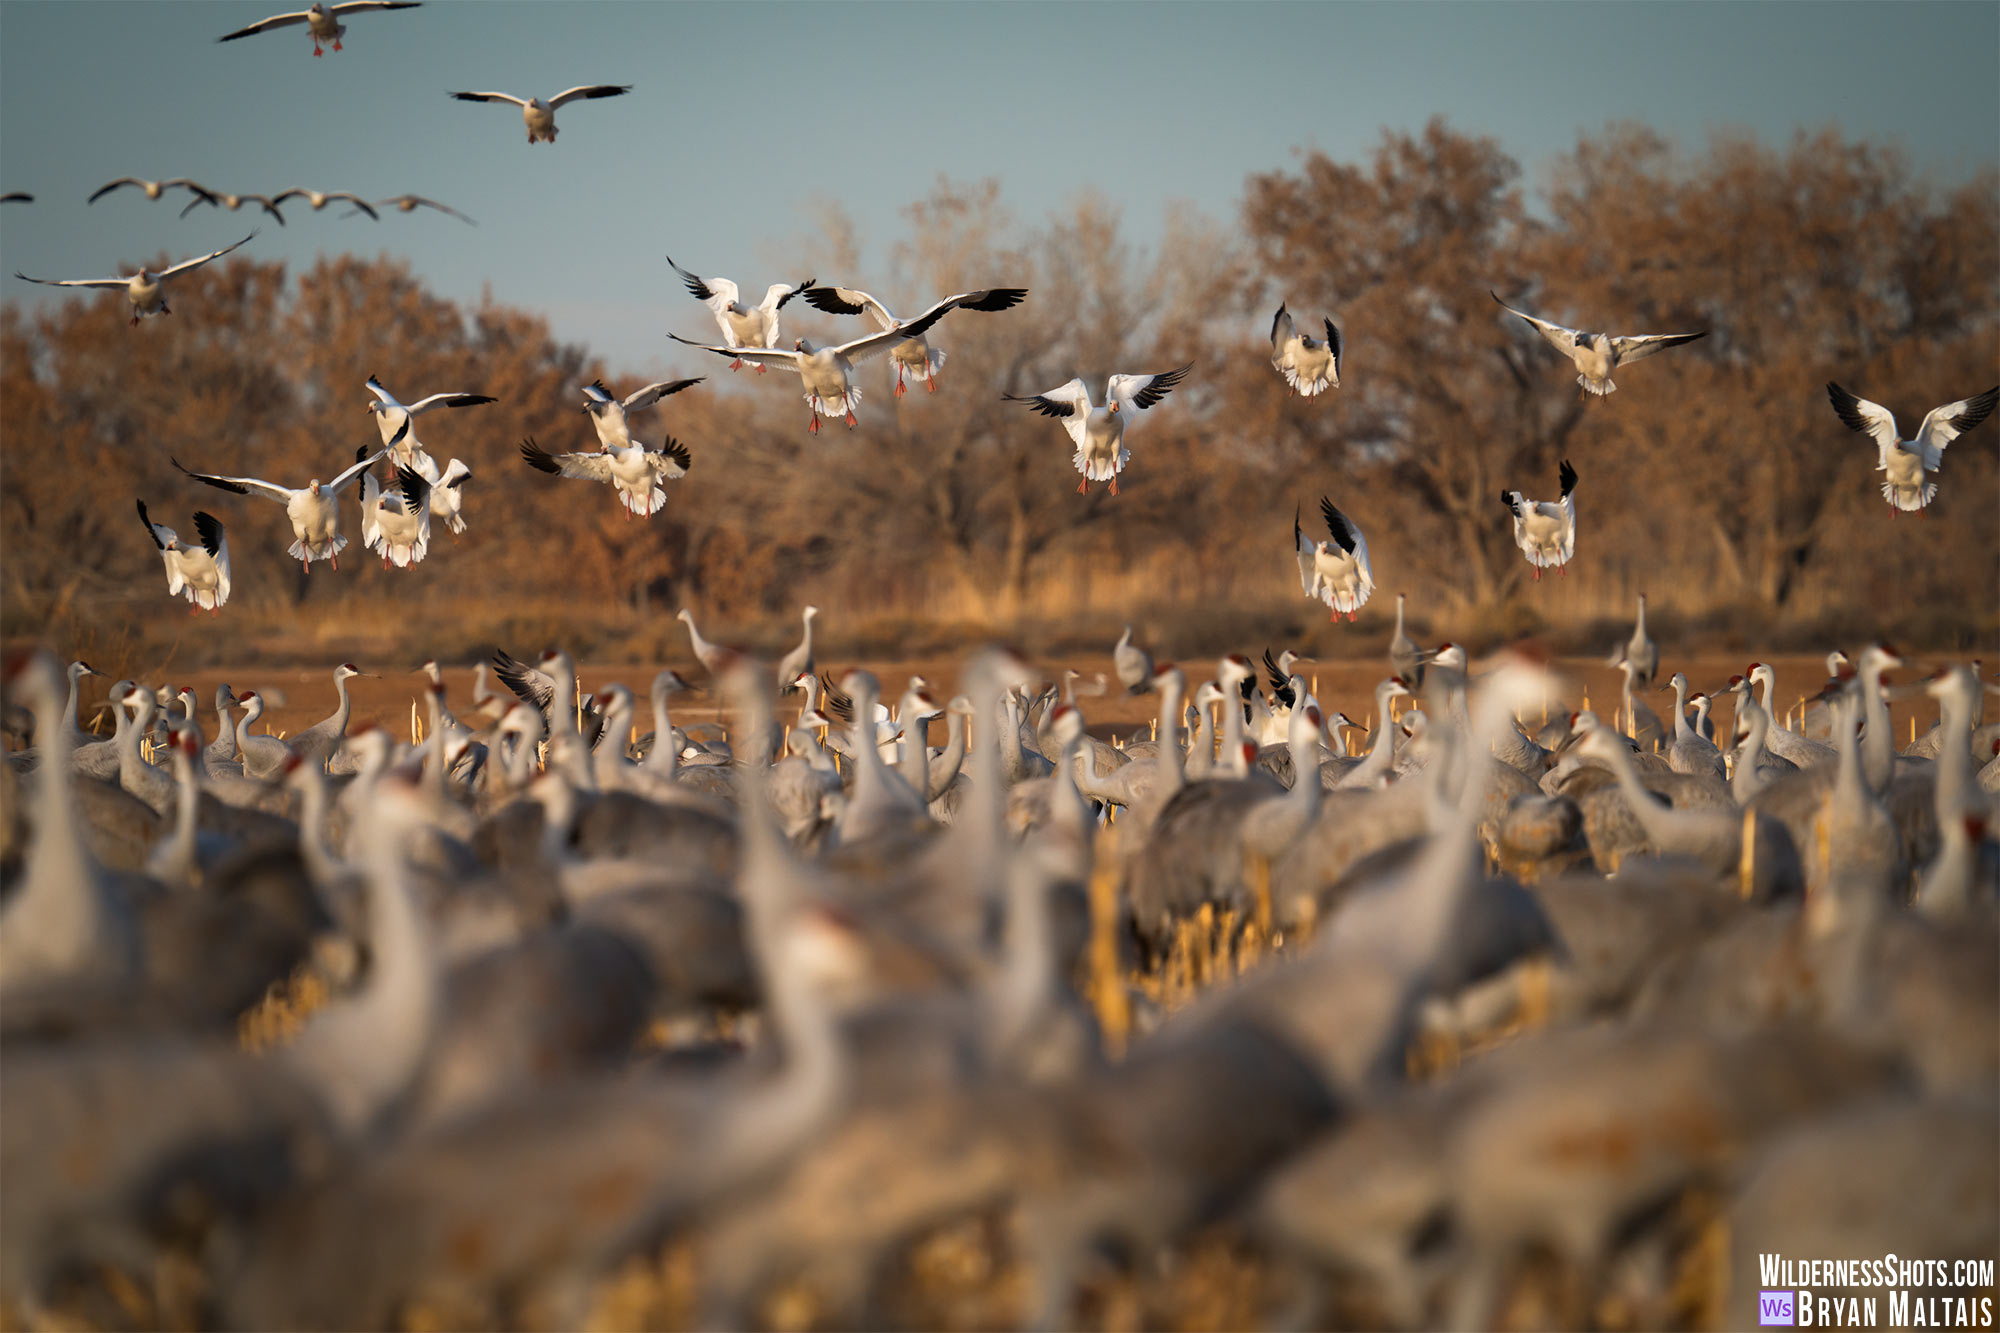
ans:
x=1546 y=530
x=199 y=572
x=323 y=19
x=145 y=290
x=409 y=203
x=393 y=417
x=1099 y=432
x=608 y=414
x=1598 y=354
x=447 y=497
x=154 y=189
x=1308 y=364
x=914 y=356
x=1336 y=572
x=742 y=325
x=313 y=508
x=232 y=202
x=638 y=474
x=1906 y=487
x=396 y=523
x=828 y=372
x=320 y=199
x=540 y=116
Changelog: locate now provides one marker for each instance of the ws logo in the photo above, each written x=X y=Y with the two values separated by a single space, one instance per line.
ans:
x=1774 y=1308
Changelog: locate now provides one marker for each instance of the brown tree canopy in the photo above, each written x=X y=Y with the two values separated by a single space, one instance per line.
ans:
x=1717 y=479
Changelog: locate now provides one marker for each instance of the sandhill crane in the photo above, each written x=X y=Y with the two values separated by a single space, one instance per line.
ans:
x=316 y=743
x=799 y=661
x=1133 y=664
x=1782 y=740
x=1598 y=354
x=263 y=756
x=1689 y=751
x=145 y=291
x=1405 y=660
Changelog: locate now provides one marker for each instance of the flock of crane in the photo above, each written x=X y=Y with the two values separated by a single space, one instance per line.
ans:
x=1403 y=1024
x=1504 y=1015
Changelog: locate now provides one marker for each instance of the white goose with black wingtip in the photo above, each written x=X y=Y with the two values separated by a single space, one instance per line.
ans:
x=145 y=291
x=638 y=474
x=199 y=572
x=828 y=372
x=396 y=522
x=1545 y=530
x=609 y=414
x=313 y=508
x=741 y=325
x=1308 y=364
x=1335 y=571
x=1099 y=432
x=397 y=420
x=322 y=19
x=1908 y=463
x=1596 y=355
x=447 y=490
x=540 y=116
x=915 y=356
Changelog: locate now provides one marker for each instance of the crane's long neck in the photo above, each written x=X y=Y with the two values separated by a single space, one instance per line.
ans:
x=1955 y=776
x=1382 y=751
x=68 y=723
x=1766 y=681
x=1304 y=797
x=766 y=1124
x=1399 y=617
x=321 y=866
x=1201 y=750
x=363 y=1054
x=1682 y=731
x=664 y=758
x=1170 y=734
x=58 y=917
x=1232 y=724
x=177 y=861
x=944 y=770
x=224 y=727
x=436 y=762
x=914 y=756
x=345 y=709
x=1878 y=741
x=1744 y=783
x=1653 y=814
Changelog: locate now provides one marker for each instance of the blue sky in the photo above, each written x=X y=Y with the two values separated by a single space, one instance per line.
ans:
x=741 y=116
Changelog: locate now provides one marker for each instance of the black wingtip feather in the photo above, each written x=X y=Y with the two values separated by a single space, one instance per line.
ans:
x=1567 y=474
x=537 y=458
x=143 y=518
x=211 y=532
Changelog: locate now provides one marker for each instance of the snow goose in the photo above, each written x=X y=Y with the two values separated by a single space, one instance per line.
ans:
x=320 y=199
x=1099 y=432
x=638 y=474
x=1545 y=531
x=144 y=290
x=322 y=19
x=396 y=523
x=1906 y=488
x=198 y=572
x=540 y=116
x=396 y=419
x=154 y=189
x=409 y=203
x=447 y=493
x=1598 y=354
x=828 y=372
x=1336 y=572
x=914 y=355
x=741 y=325
x=232 y=202
x=314 y=509
x=1308 y=364
x=608 y=413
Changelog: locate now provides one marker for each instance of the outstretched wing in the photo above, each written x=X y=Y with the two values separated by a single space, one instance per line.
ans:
x=671 y=460
x=1130 y=391
x=1070 y=404
x=210 y=530
x=77 y=282
x=187 y=264
x=849 y=301
x=163 y=536
x=264 y=25
x=653 y=393
x=489 y=97
x=1561 y=338
x=1306 y=552
x=416 y=491
x=1282 y=329
x=355 y=6
x=1871 y=419
x=1345 y=535
x=1945 y=424
x=766 y=356
x=584 y=467
x=1333 y=345
x=1281 y=682
x=448 y=400
x=528 y=684
x=1568 y=476
x=239 y=485
x=718 y=293
x=1637 y=346
x=586 y=92
x=109 y=186
x=363 y=459
x=876 y=343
